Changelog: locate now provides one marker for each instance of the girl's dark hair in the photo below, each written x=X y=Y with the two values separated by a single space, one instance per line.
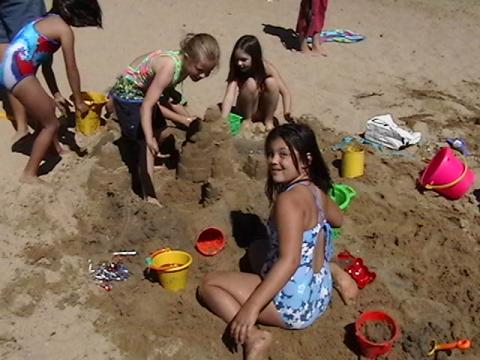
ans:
x=78 y=13
x=250 y=45
x=300 y=138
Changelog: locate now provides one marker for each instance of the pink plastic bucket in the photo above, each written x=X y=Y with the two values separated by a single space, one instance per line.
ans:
x=447 y=175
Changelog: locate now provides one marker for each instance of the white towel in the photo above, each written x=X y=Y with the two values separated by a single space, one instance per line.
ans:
x=383 y=130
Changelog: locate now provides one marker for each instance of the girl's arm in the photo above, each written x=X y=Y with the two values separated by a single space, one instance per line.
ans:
x=289 y=217
x=49 y=76
x=229 y=98
x=333 y=213
x=62 y=104
x=284 y=90
x=177 y=113
x=163 y=77
x=68 y=48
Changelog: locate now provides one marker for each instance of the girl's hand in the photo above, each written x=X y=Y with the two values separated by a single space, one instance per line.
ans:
x=81 y=108
x=153 y=146
x=243 y=323
x=289 y=118
x=190 y=119
x=62 y=104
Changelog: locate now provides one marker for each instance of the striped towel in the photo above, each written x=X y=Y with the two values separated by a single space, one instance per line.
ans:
x=340 y=35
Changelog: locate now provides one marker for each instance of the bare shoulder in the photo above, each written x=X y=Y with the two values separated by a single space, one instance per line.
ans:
x=270 y=68
x=164 y=64
x=57 y=22
x=293 y=198
x=54 y=27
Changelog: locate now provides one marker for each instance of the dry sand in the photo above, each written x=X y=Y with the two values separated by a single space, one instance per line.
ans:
x=418 y=63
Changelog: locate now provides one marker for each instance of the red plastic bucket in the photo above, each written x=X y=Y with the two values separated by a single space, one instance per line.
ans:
x=371 y=349
x=447 y=175
x=211 y=241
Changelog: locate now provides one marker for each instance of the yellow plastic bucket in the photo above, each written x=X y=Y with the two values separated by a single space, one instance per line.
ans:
x=172 y=267
x=353 y=161
x=90 y=123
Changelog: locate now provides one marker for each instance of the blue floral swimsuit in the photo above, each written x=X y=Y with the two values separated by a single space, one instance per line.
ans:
x=307 y=294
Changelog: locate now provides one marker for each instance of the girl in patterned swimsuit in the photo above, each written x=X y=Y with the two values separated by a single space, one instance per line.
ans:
x=138 y=94
x=33 y=46
x=295 y=284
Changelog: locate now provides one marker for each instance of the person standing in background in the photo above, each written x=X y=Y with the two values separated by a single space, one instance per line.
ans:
x=14 y=14
x=311 y=19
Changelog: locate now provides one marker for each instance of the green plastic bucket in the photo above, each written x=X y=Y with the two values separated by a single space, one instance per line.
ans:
x=342 y=195
x=235 y=123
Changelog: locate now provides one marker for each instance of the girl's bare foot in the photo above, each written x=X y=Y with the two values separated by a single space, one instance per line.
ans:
x=304 y=48
x=345 y=285
x=318 y=50
x=269 y=125
x=32 y=180
x=154 y=201
x=257 y=345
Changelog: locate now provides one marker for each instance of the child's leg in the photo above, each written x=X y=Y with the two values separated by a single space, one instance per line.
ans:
x=247 y=102
x=316 y=45
x=20 y=116
x=268 y=102
x=346 y=286
x=224 y=293
x=19 y=112
x=146 y=163
x=319 y=8
x=304 y=48
x=303 y=25
x=31 y=94
x=109 y=107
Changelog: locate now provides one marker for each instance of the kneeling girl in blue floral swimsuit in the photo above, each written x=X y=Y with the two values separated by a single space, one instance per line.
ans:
x=295 y=284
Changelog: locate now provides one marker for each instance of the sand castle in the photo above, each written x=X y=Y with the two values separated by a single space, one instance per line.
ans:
x=209 y=153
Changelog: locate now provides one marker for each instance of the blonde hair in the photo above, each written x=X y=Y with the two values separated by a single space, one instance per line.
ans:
x=200 y=47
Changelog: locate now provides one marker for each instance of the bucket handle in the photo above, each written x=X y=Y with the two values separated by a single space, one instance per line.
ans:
x=351 y=191
x=452 y=183
x=149 y=260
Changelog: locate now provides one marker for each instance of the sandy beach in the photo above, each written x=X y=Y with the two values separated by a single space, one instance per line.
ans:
x=418 y=63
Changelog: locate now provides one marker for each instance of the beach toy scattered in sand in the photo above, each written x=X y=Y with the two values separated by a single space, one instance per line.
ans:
x=459 y=144
x=447 y=175
x=90 y=123
x=463 y=344
x=106 y=273
x=357 y=269
x=376 y=332
x=211 y=241
x=171 y=266
x=235 y=123
x=342 y=194
x=353 y=161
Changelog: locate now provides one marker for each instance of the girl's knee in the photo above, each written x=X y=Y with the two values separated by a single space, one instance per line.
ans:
x=271 y=85
x=250 y=86
x=52 y=124
x=202 y=290
x=208 y=279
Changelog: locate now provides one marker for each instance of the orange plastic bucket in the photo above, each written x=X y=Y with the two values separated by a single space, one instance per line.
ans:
x=369 y=349
x=211 y=241
x=447 y=175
